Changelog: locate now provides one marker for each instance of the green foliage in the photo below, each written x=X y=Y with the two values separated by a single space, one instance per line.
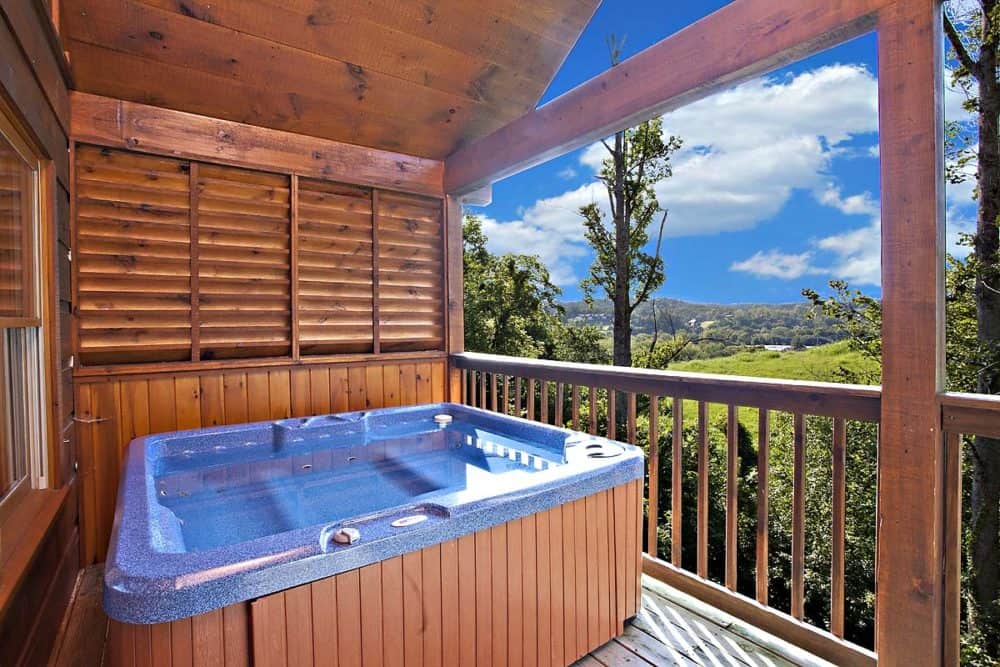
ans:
x=510 y=300
x=584 y=345
x=727 y=325
x=860 y=316
x=511 y=307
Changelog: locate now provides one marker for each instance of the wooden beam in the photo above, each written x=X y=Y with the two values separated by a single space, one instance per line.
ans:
x=742 y=40
x=119 y=124
x=910 y=561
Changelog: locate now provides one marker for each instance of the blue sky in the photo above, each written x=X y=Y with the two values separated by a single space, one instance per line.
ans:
x=776 y=188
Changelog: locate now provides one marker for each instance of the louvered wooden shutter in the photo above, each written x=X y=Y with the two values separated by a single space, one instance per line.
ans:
x=335 y=268
x=133 y=257
x=244 y=239
x=410 y=273
x=16 y=191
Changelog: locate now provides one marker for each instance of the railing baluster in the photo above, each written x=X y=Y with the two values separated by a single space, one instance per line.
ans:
x=465 y=386
x=517 y=396
x=676 y=481
x=482 y=390
x=493 y=392
x=763 y=442
x=531 y=398
x=732 y=494
x=631 y=417
x=702 y=532
x=592 y=400
x=839 y=509
x=560 y=418
x=798 y=516
x=653 y=504
x=506 y=394
x=612 y=417
x=952 y=548
x=544 y=395
x=575 y=411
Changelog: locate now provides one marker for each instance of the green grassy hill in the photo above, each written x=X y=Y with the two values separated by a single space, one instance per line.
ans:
x=826 y=363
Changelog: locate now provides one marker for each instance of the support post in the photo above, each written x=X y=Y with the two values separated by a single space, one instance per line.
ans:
x=910 y=579
x=454 y=281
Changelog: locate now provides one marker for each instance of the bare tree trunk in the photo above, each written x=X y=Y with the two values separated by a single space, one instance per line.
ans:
x=622 y=335
x=984 y=547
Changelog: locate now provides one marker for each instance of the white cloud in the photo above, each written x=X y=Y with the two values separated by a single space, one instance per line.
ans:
x=853 y=255
x=748 y=149
x=856 y=254
x=567 y=174
x=776 y=264
x=861 y=204
x=550 y=228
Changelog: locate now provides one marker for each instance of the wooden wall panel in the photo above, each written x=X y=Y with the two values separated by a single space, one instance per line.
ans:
x=335 y=268
x=39 y=558
x=190 y=261
x=244 y=264
x=133 y=239
x=410 y=272
x=472 y=600
x=115 y=410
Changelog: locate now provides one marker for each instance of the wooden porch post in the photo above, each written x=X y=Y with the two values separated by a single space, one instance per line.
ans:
x=454 y=292
x=909 y=583
x=454 y=283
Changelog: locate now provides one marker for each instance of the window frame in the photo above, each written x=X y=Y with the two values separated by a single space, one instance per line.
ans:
x=35 y=339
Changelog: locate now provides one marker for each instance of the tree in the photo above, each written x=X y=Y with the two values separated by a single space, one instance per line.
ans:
x=973 y=29
x=861 y=318
x=511 y=303
x=638 y=159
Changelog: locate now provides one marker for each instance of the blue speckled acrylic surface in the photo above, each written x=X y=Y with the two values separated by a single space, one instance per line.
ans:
x=215 y=516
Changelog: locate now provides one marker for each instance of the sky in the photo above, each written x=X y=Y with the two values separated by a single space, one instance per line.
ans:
x=776 y=187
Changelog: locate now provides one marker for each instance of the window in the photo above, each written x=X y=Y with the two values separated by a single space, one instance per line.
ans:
x=22 y=438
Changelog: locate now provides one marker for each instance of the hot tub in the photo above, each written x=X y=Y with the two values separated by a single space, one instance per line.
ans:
x=325 y=514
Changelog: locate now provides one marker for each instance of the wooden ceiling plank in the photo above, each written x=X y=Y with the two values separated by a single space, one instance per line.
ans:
x=561 y=21
x=743 y=39
x=372 y=46
x=138 y=29
x=123 y=76
x=464 y=26
x=109 y=122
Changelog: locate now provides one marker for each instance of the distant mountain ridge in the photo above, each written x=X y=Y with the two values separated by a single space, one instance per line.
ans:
x=737 y=324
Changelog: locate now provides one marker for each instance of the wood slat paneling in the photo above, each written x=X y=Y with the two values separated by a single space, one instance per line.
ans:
x=186 y=261
x=116 y=410
x=513 y=594
x=133 y=247
x=335 y=268
x=410 y=273
x=244 y=267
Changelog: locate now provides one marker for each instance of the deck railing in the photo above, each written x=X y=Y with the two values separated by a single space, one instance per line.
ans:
x=552 y=392
x=963 y=416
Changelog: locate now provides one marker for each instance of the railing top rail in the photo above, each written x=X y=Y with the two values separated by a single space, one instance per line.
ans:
x=971 y=414
x=826 y=399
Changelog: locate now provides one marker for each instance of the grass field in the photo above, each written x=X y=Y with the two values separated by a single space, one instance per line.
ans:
x=826 y=363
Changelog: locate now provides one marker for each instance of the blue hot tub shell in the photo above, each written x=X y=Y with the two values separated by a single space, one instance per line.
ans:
x=177 y=551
